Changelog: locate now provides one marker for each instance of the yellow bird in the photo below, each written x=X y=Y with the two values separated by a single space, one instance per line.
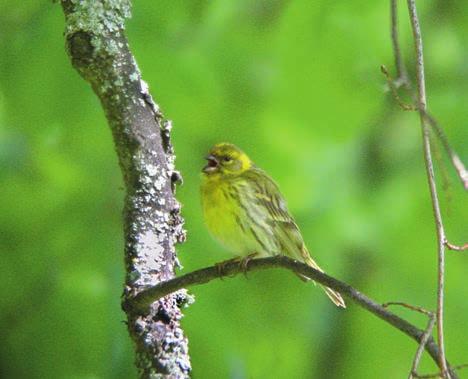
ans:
x=245 y=211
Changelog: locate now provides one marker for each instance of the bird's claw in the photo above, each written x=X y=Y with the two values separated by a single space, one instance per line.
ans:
x=244 y=262
x=221 y=266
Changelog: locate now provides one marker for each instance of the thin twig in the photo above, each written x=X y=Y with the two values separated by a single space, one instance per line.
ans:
x=144 y=299
x=456 y=161
x=451 y=246
x=425 y=337
x=439 y=374
x=393 y=88
x=422 y=105
x=409 y=306
x=402 y=74
x=403 y=80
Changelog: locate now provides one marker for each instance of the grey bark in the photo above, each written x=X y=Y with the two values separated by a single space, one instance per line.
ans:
x=99 y=51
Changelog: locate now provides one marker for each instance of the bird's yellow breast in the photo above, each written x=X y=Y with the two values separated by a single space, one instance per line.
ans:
x=220 y=213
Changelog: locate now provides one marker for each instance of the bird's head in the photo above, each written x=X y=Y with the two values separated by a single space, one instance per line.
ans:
x=226 y=159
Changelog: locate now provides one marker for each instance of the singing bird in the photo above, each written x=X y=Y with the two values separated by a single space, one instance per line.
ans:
x=245 y=211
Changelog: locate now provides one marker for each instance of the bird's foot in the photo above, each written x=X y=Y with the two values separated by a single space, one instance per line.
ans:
x=221 y=266
x=244 y=262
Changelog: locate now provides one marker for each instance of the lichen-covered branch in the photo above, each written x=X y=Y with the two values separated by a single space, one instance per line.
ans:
x=99 y=51
x=144 y=299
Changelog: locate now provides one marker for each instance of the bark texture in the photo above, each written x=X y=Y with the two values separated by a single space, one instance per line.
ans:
x=99 y=51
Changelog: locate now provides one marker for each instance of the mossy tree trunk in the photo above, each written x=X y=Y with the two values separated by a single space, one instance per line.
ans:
x=99 y=51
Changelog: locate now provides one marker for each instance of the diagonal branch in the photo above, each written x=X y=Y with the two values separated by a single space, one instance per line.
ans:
x=141 y=302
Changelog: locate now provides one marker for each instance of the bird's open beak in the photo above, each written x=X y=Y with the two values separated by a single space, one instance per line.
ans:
x=212 y=164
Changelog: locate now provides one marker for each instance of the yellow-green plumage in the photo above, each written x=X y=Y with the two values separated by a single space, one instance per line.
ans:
x=245 y=211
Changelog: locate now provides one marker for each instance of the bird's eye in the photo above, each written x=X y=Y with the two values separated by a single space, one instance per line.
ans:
x=227 y=159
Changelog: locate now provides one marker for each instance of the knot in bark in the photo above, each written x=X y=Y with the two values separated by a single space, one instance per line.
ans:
x=81 y=49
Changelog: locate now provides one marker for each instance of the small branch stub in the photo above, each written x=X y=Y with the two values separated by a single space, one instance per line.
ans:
x=451 y=246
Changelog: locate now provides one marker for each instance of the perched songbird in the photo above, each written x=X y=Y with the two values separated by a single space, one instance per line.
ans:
x=245 y=211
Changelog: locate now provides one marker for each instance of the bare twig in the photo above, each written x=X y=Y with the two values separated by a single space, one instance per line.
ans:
x=402 y=74
x=425 y=336
x=144 y=299
x=439 y=374
x=403 y=80
x=424 y=339
x=451 y=246
x=409 y=306
x=422 y=105
x=456 y=161
x=394 y=89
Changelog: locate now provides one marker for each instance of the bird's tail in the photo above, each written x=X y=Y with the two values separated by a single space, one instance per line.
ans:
x=333 y=295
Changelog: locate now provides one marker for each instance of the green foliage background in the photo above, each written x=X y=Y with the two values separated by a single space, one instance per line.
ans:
x=297 y=85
